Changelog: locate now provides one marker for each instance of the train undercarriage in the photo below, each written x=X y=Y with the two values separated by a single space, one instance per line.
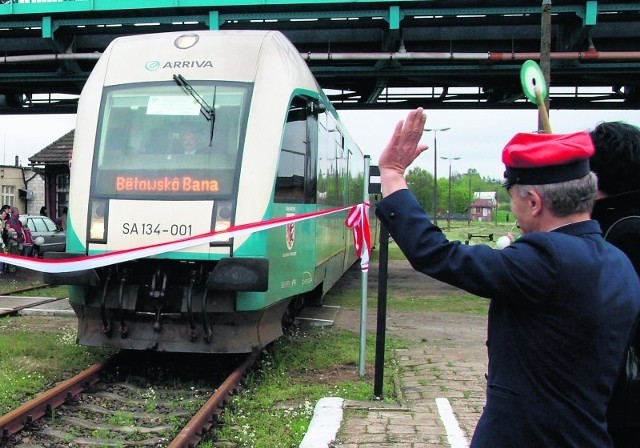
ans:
x=175 y=306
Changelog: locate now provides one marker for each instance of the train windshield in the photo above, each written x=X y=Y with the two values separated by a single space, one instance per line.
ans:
x=156 y=140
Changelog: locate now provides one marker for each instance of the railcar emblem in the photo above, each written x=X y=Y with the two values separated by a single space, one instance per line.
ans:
x=290 y=233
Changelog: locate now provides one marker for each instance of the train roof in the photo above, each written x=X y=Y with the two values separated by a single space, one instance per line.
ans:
x=217 y=55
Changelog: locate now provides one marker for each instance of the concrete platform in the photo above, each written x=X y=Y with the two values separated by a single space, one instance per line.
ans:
x=317 y=316
x=60 y=308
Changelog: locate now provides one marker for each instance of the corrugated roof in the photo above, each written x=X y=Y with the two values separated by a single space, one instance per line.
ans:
x=56 y=153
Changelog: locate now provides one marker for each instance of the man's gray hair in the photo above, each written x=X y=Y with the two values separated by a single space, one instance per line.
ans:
x=566 y=198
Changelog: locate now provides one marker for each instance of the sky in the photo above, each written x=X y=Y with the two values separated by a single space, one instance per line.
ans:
x=476 y=136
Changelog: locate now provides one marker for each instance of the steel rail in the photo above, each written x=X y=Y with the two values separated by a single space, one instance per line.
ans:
x=34 y=409
x=15 y=310
x=192 y=431
x=29 y=288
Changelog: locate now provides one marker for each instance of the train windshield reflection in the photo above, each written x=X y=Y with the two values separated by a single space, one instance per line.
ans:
x=153 y=139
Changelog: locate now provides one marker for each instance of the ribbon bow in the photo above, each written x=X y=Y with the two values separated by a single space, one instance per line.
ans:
x=358 y=220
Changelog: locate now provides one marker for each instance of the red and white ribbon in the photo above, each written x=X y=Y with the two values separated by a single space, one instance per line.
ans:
x=120 y=256
x=358 y=220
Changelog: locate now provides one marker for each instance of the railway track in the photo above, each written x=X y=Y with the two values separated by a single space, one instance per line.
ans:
x=14 y=311
x=131 y=399
x=13 y=292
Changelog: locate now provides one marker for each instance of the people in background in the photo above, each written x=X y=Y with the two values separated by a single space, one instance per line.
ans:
x=43 y=211
x=616 y=162
x=14 y=221
x=27 y=245
x=63 y=218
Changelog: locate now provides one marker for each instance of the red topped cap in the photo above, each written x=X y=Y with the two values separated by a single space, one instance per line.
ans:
x=535 y=159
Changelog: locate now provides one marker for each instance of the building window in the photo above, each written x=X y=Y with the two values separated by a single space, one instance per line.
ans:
x=8 y=195
x=62 y=193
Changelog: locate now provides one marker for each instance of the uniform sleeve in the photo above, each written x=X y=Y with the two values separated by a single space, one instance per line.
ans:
x=525 y=270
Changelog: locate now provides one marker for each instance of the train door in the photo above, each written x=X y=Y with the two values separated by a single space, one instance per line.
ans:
x=294 y=245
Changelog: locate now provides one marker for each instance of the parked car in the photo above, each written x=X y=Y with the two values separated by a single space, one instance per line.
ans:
x=55 y=239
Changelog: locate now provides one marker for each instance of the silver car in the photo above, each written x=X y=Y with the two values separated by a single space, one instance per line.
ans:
x=55 y=239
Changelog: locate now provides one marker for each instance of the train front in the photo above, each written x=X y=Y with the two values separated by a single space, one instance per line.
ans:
x=164 y=150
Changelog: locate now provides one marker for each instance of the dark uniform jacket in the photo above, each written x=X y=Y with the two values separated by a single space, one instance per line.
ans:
x=562 y=308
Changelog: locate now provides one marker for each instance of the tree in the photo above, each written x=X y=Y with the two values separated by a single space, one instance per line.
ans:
x=421 y=185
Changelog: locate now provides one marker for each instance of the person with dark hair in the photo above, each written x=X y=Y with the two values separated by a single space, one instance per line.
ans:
x=563 y=300
x=27 y=245
x=14 y=221
x=5 y=213
x=616 y=162
x=43 y=211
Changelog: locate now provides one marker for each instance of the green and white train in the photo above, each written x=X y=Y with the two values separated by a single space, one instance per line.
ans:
x=269 y=145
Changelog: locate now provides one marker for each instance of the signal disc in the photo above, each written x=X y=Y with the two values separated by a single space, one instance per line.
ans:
x=530 y=77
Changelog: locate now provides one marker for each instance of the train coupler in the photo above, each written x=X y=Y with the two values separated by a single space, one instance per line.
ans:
x=158 y=285
x=157 y=325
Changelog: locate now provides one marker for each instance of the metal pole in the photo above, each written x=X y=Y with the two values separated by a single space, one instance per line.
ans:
x=449 y=206
x=435 y=177
x=434 y=218
x=545 y=55
x=470 y=202
x=363 y=282
x=450 y=159
x=382 y=311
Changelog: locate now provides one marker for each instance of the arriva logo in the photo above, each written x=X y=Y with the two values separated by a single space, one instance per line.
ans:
x=153 y=66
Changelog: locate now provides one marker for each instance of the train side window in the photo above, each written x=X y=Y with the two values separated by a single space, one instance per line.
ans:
x=294 y=164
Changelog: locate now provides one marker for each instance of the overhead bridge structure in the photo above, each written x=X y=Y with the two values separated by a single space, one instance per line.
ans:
x=366 y=54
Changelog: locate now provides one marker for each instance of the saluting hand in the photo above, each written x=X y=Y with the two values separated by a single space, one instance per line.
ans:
x=403 y=148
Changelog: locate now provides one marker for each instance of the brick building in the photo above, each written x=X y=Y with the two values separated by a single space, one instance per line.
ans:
x=53 y=161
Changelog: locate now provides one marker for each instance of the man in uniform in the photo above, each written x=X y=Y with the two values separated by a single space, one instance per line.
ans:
x=563 y=300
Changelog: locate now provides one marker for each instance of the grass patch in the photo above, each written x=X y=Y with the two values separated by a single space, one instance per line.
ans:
x=31 y=360
x=276 y=405
x=457 y=232
x=463 y=303
x=51 y=291
x=395 y=254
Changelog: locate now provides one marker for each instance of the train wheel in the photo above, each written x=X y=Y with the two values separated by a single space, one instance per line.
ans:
x=292 y=311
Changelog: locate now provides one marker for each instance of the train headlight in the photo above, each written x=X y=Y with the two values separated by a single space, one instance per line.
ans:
x=97 y=223
x=224 y=211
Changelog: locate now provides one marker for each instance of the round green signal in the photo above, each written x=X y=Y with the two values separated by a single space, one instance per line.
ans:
x=531 y=77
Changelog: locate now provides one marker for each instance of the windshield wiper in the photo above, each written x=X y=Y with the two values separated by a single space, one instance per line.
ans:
x=207 y=111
